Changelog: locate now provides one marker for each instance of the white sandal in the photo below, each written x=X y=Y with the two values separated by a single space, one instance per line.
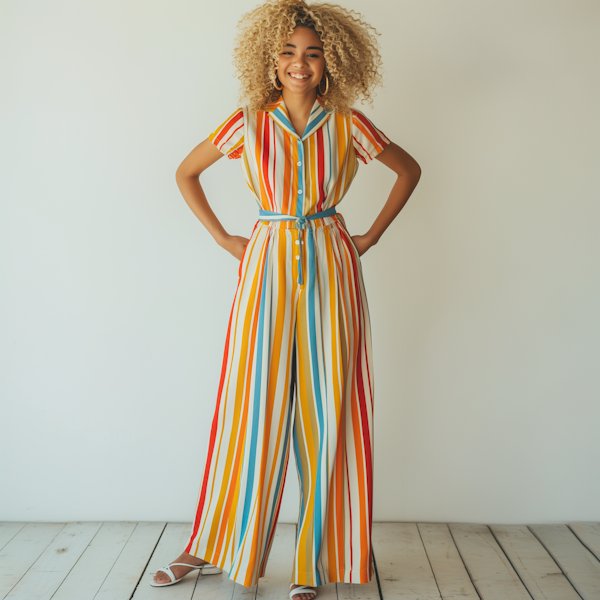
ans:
x=302 y=589
x=205 y=568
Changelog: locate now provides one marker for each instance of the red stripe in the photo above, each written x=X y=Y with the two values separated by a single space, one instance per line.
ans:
x=363 y=149
x=266 y=147
x=361 y=391
x=227 y=127
x=320 y=169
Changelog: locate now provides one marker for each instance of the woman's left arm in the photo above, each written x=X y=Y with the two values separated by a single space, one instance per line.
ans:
x=408 y=174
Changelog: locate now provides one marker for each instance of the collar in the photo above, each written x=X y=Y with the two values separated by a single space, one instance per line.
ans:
x=279 y=113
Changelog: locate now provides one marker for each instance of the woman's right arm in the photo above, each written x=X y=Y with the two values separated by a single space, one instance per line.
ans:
x=187 y=176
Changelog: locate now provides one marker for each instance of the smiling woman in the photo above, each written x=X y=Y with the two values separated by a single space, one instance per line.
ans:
x=347 y=45
x=298 y=364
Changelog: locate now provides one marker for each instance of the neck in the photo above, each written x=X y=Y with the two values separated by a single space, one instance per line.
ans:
x=299 y=104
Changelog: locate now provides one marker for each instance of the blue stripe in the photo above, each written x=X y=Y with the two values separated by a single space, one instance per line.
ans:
x=256 y=401
x=300 y=477
x=316 y=382
x=284 y=120
x=310 y=128
x=300 y=197
x=286 y=438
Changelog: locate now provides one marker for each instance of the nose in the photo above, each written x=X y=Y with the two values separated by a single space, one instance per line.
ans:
x=300 y=61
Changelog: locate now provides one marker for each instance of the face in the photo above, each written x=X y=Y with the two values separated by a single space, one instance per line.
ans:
x=301 y=61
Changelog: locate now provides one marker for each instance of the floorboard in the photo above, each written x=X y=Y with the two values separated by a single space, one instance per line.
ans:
x=589 y=535
x=536 y=568
x=52 y=567
x=449 y=571
x=21 y=552
x=402 y=563
x=491 y=572
x=579 y=565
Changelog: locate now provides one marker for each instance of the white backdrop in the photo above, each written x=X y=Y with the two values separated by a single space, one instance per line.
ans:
x=483 y=293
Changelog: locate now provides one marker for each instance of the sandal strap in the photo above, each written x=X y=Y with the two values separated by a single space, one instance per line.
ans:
x=192 y=566
x=168 y=571
x=301 y=589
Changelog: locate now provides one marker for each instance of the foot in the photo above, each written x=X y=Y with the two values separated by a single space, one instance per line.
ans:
x=178 y=570
x=303 y=595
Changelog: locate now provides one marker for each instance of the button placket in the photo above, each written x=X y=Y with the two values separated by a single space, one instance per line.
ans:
x=301 y=179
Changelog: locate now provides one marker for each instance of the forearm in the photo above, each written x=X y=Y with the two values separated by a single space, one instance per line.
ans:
x=399 y=195
x=193 y=194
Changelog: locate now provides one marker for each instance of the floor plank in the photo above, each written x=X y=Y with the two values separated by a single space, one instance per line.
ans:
x=47 y=573
x=169 y=547
x=579 y=565
x=491 y=572
x=536 y=568
x=86 y=577
x=127 y=571
x=356 y=591
x=17 y=556
x=215 y=587
x=448 y=568
x=589 y=535
x=8 y=530
x=402 y=563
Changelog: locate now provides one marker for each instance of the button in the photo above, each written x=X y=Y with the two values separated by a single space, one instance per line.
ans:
x=297 y=242
x=299 y=163
x=299 y=191
x=297 y=257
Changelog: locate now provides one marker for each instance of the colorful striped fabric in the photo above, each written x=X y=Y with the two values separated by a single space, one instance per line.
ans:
x=297 y=364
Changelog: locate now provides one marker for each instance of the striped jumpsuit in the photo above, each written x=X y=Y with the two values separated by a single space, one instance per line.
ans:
x=297 y=364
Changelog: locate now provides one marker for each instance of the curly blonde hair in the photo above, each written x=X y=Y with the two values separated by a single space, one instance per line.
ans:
x=352 y=59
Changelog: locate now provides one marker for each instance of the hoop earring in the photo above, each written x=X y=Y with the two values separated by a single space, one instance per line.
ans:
x=275 y=84
x=326 y=85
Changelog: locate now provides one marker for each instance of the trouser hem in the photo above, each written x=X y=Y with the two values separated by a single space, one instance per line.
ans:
x=348 y=576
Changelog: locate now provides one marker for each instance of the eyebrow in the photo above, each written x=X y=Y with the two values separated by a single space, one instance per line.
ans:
x=308 y=47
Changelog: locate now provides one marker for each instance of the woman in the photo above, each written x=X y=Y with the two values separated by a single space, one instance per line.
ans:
x=297 y=361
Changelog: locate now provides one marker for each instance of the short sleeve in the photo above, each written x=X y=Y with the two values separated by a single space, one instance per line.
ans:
x=229 y=136
x=368 y=140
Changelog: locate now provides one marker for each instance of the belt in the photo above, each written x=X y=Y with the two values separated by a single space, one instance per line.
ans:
x=267 y=215
x=301 y=222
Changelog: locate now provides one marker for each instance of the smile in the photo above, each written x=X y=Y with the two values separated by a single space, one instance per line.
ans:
x=299 y=75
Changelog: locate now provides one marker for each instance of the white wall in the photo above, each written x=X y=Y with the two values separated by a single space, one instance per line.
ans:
x=483 y=293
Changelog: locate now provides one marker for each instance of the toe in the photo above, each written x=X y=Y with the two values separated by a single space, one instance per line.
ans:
x=160 y=577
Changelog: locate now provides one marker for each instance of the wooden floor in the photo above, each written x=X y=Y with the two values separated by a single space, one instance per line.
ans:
x=414 y=561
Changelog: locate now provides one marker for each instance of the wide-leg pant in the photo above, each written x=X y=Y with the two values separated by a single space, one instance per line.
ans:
x=297 y=360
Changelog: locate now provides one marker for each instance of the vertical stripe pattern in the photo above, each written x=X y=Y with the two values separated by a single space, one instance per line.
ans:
x=297 y=364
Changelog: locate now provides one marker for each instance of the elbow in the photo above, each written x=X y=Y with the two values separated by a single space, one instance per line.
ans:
x=414 y=171
x=417 y=173
x=410 y=172
x=182 y=175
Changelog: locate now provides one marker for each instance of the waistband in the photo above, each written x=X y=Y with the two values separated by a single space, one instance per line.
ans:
x=301 y=222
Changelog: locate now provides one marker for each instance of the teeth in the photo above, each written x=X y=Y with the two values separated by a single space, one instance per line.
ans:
x=297 y=76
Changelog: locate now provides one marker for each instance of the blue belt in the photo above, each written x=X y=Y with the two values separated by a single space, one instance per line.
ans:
x=301 y=223
x=267 y=215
